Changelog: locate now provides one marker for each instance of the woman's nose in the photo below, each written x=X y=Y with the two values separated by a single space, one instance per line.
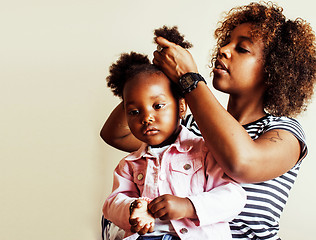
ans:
x=225 y=51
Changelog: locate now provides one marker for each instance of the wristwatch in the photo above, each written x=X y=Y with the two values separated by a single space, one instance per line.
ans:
x=189 y=81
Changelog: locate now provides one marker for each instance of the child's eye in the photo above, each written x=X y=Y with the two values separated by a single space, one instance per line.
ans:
x=133 y=112
x=159 y=106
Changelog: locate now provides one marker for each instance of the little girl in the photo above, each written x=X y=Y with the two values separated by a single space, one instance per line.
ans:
x=171 y=187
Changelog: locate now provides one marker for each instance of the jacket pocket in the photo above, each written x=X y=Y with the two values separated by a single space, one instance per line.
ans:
x=186 y=166
x=187 y=176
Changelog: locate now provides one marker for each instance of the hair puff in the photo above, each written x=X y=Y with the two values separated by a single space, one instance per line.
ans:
x=131 y=64
x=172 y=34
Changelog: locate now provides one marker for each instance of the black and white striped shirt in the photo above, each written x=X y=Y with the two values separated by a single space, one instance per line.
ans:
x=266 y=200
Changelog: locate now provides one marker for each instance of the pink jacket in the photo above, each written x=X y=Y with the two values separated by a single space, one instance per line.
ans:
x=186 y=169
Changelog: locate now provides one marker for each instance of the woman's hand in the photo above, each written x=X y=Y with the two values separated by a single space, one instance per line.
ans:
x=169 y=207
x=140 y=219
x=174 y=60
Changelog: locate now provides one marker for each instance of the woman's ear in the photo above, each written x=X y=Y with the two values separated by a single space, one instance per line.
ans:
x=182 y=108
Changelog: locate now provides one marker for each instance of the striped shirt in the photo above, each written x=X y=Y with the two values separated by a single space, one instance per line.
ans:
x=265 y=200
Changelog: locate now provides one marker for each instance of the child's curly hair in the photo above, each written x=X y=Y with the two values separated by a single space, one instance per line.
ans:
x=289 y=54
x=172 y=35
x=131 y=64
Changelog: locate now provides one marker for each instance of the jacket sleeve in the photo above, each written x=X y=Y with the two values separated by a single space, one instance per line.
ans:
x=116 y=206
x=222 y=200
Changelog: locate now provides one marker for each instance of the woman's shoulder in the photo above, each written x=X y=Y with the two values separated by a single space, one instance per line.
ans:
x=285 y=123
x=270 y=122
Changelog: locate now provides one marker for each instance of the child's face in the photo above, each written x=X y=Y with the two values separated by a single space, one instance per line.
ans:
x=151 y=110
x=239 y=67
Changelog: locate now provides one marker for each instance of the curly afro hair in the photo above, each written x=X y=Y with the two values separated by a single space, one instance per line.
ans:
x=131 y=64
x=172 y=35
x=289 y=54
x=128 y=66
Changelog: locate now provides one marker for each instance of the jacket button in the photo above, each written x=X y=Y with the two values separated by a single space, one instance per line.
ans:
x=162 y=177
x=140 y=176
x=187 y=166
x=183 y=230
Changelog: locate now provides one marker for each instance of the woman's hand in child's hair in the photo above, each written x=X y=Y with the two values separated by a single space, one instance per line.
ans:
x=140 y=219
x=169 y=207
x=174 y=60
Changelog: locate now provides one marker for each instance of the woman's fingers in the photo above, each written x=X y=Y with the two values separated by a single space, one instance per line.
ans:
x=163 y=42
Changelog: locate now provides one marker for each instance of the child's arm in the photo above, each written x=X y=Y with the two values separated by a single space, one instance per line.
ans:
x=222 y=200
x=117 y=206
x=116 y=132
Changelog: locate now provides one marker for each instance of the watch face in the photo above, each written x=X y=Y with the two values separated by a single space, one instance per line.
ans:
x=187 y=81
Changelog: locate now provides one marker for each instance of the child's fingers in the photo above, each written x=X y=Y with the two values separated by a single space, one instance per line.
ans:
x=156 y=205
x=162 y=214
x=145 y=229
x=154 y=202
x=133 y=221
x=152 y=226
x=137 y=204
x=137 y=227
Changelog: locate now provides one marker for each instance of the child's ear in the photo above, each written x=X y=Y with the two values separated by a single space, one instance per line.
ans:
x=182 y=108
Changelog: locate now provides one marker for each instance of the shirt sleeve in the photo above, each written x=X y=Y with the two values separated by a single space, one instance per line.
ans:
x=190 y=124
x=116 y=206
x=293 y=126
x=223 y=198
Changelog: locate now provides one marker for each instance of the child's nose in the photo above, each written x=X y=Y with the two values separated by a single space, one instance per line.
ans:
x=147 y=119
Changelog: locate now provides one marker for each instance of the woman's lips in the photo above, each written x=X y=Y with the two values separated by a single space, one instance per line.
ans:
x=220 y=66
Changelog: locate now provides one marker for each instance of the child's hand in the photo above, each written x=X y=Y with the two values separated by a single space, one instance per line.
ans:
x=169 y=207
x=140 y=219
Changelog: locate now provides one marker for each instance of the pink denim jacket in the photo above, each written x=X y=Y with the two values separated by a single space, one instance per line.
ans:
x=187 y=169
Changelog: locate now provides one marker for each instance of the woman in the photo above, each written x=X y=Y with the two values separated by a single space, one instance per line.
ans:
x=266 y=64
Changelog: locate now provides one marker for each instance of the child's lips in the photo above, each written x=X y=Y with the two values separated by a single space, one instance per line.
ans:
x=151 y=131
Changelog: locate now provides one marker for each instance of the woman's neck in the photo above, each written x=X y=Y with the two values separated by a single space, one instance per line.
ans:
x=244 y=110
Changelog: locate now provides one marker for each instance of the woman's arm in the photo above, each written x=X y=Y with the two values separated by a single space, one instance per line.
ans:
x=116 y=132
x=243 y=159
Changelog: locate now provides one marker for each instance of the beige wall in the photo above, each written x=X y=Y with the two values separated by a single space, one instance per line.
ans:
x=55 y=170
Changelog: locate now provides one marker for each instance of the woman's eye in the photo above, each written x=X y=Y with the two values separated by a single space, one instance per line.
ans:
x=158 y=106
x=241 y=49
x=133 y=112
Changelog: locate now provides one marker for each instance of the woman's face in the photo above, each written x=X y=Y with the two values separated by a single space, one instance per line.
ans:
x=239 y=66
x=151 y=110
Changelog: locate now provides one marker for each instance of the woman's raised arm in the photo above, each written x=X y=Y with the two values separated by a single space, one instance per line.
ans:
x=116 y=132
x=243 y=159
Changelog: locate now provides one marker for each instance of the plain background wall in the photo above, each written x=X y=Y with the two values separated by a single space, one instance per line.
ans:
x=55 y=170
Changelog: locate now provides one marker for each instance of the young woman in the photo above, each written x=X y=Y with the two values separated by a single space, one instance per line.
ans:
x=266 y=63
